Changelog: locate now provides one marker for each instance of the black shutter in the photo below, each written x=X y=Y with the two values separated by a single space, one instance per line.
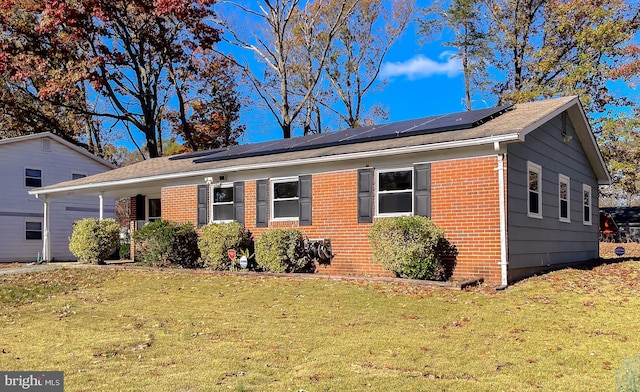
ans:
x=202 y=204
x=140 y=208
x=422 y=189
x=238 y=201
x=365 y=195
x=261 y=203
x=304 y=198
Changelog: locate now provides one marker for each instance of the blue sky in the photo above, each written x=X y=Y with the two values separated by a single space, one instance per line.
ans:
x=421 y=80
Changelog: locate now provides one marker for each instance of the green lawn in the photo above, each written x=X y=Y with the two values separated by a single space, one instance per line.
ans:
x=139 y=330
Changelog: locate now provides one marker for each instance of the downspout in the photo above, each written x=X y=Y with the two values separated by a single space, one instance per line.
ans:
x=504 y=262
x=101 y=199
x=46 y=246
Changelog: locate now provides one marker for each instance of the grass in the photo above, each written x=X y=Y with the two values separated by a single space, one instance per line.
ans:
x=134 y=330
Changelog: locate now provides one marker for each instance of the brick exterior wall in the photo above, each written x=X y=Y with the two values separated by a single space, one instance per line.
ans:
x=464 y=204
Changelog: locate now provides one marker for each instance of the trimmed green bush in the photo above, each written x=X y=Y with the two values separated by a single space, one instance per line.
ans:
x=162 y=243
x=93 y=240
x=409 y=246
x=282 y=250
x=217 y=238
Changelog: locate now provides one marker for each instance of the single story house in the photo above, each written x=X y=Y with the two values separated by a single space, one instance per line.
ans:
x=32 y=162
x=515 y=188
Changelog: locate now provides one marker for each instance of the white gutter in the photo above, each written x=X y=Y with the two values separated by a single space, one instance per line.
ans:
x=295 y=162
x=504 y=262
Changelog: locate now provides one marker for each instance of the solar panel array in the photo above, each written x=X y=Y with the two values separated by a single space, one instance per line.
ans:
x=422 y=126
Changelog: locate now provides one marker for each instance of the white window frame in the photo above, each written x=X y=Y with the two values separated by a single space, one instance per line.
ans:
x=532 y=167
x=25 y=177
x=379 y=192
x=586 y=188
x=27 y=230
x=214 y=203
x=562 y=179
x=149 y=217
x=273 y=199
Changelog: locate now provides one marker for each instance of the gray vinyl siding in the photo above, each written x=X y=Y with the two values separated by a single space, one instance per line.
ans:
x=542 y=242
x=18 y=207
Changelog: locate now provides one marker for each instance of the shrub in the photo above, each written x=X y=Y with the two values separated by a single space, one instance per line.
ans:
x=218 y=238
x=282 y=250
x=162 y=243
x=408 y=246
x=93 y=240
x=628 y=376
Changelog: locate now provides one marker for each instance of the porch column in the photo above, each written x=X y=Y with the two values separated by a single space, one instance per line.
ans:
x=46 y=240
x=101 y=198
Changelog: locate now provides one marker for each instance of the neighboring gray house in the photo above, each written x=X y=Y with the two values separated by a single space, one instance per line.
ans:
x=35 y=161
x=515 y=188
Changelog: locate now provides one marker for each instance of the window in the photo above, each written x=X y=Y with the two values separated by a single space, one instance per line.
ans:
x=586 y=204
x=395 y=192
x=34 y=230
x=75 y=176
x=222 y=203
x=33 y=178
x=564 y=195
x=285 y=198
x=534 y=195
x=155 y=210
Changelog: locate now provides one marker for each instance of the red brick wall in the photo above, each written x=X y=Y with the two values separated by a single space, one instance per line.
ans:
x=180 y=204
x=465 y=205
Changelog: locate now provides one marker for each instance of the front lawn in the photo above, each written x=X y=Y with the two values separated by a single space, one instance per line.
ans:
x=114 y=329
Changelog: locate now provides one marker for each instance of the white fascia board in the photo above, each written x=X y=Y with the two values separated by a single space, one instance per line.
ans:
x=295 y=162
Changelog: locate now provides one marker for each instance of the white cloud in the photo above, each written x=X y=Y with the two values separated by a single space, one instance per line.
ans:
x=421 y=66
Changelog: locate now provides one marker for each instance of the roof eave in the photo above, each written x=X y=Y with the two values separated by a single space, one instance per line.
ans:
x=491 y=140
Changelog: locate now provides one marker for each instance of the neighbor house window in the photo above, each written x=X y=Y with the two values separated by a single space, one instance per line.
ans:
x=75 y=176
x=395 y=192
x=34 y=230
x=534 y=195
x=586 y=204
x=155 y=210
x=564 y=195
x=222 y=203
x=33 y=178
x=285 y=200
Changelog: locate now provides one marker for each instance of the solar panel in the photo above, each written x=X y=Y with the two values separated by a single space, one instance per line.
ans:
x=422 y=126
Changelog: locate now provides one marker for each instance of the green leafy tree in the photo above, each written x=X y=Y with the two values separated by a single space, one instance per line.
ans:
x=470 y=38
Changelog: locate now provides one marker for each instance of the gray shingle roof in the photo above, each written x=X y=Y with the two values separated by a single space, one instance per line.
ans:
x=510 y=126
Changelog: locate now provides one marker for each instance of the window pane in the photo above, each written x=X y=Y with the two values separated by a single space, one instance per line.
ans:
x=33 y=182
x=391 y=203
x=34 y=231
x=587 y=214
x=223 y=212
x=155 y=209
x=586 y=198
x=33 y=173
x=533 y=181
x=223 y=195
x=395 y=181
x=285 y=190
x=533 y=203
x=564 y=211
x=563 y=190
x=285 y=209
